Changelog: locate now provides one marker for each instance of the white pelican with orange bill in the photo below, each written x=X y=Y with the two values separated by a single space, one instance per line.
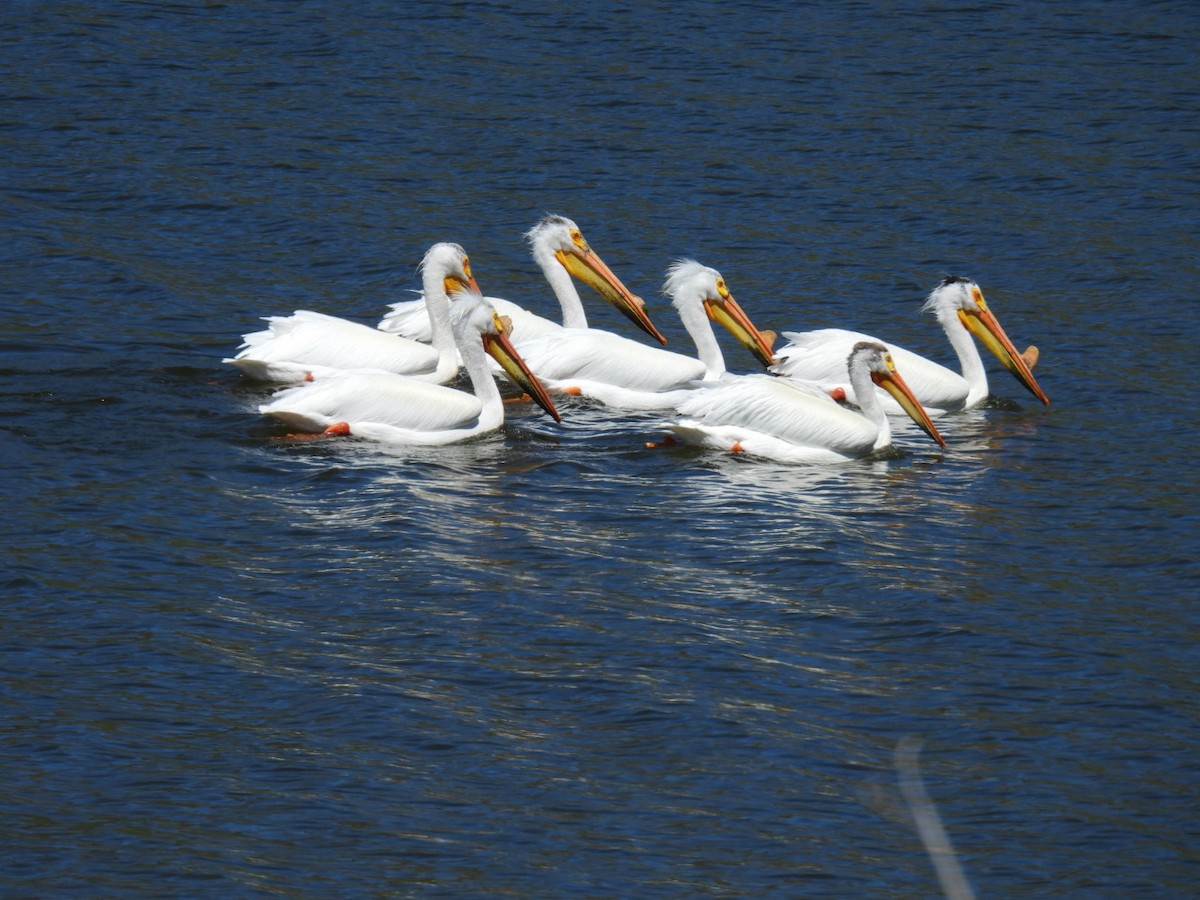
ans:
x=309 y=344
x=384 y=406
x=789 y=421
x=618 y=372
x=819 y=356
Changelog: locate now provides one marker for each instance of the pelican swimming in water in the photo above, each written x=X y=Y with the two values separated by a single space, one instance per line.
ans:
x=781 y=419
x=562 y=253
x=308 y=344
x=630 y=375
x=819 y=356
x=384 y=406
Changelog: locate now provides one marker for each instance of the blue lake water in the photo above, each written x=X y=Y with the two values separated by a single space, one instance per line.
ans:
x=553 y=662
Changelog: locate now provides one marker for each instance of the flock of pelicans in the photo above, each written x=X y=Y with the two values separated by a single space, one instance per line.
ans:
x=825 y=395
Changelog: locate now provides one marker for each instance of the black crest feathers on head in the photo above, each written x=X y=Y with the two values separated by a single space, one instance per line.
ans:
x=952 y=279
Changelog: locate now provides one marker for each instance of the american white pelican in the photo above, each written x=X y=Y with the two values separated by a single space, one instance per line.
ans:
x=819 y=356
x=782 y=419
x=560 y=250
x=384 y=406
x=307 y=344
x=623 y=373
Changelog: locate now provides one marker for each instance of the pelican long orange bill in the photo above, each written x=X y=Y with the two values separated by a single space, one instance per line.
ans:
x=500 y=348
x=985 y=326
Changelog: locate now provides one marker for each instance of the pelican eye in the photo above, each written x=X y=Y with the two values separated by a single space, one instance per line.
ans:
x=722 y=289
x=887 y=358
x=466 y=265
x=977 y=296
x=577 y=239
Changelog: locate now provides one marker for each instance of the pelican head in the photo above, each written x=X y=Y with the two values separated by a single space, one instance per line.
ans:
x=960 y=297
x=689 y=281
x=877 y=361
x=471 y=315
x=451 y=259
x=560 y=237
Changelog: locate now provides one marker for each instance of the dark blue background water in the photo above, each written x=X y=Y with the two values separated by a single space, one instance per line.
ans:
x=553 y=662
